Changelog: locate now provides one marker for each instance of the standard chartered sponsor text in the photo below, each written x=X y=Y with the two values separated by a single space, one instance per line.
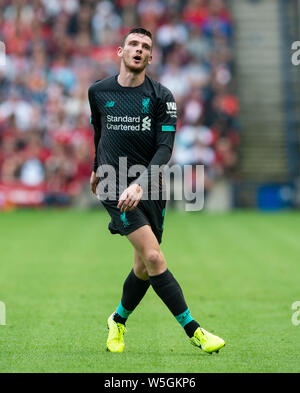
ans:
x=121 y=123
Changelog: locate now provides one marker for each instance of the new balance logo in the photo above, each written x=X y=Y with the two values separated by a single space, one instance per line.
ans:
x=146 y=125
x=109 y=104
x=171 y=106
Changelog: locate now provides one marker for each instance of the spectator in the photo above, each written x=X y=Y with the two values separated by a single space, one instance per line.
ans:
x=56 y=49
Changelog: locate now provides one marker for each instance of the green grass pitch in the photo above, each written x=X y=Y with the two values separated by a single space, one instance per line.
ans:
x=61 y=275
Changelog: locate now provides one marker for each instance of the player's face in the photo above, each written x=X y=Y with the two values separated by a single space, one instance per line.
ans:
x=136 y=53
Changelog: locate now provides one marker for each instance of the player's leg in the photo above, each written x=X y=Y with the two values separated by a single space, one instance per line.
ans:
x=161 y=279
x=134 y=289
x=169 y=290
x=139 y=267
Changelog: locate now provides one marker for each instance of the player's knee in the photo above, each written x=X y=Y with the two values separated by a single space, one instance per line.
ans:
x=153 y=257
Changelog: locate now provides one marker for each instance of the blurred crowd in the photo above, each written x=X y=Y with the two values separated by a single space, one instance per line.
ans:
x=56 y=48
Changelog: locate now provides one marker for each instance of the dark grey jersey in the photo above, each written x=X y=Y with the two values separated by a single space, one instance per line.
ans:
x=136 y=123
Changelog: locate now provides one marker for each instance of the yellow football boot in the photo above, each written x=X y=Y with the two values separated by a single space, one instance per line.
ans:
x=115 y=340
x=206 y=341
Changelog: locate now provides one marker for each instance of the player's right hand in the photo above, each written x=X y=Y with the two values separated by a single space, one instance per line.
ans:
x=94 y=181
x=130 y=198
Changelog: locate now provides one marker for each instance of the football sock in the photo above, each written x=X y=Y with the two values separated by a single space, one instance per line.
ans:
x=191 y=327
x=134 y=289
x=170 y=292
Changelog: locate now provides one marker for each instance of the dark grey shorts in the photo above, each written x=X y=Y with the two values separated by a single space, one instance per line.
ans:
x=146 y=213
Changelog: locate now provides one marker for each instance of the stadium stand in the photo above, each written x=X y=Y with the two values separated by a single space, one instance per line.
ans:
x=55 y=50
x=268 y=89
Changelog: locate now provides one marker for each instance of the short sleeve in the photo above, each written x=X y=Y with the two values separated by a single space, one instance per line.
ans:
x=166 y=113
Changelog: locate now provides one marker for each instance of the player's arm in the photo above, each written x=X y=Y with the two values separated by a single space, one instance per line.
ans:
x=166 y=121
x=165 y=136
x=96 y=122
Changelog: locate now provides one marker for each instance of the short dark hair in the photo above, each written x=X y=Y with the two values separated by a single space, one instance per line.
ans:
x=136 y=30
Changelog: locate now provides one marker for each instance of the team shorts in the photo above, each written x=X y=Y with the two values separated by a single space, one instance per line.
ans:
x=147 y=212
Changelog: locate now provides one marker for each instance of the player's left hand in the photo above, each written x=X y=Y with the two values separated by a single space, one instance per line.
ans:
x=94 y=181
x=130 y=198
